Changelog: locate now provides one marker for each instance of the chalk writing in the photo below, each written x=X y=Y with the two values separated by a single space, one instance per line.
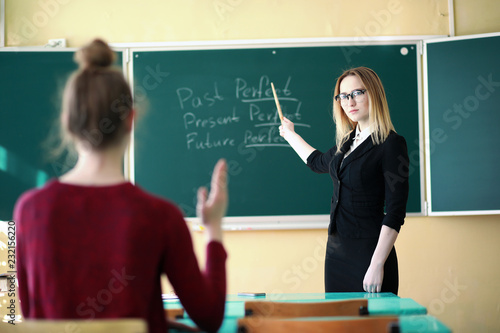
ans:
x=207 y=142
x=187 y=98
x=263 y=90
x=191 y=120
x=211 y=121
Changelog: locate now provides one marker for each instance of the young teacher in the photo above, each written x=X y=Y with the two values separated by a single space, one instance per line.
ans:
x=91 y=244
x=369 y=168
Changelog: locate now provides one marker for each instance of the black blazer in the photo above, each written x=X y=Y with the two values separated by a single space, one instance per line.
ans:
x=370 y=178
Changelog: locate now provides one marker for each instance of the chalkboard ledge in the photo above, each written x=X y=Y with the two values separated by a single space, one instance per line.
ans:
x=244 y=223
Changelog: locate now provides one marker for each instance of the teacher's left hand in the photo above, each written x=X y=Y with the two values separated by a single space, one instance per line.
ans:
x=372 y=283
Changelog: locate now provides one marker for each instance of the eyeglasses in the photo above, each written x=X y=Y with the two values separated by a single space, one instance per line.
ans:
x=358 y=95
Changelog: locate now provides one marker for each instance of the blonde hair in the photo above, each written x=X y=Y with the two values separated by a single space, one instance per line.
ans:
x=379 y=117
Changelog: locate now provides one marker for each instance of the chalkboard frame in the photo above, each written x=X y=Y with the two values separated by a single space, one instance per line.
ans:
x=289 y=221
x=430 y=211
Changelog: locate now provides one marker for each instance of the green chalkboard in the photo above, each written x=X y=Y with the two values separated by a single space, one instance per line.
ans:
x=213 y=103
x=463 y=117
x=31 y=85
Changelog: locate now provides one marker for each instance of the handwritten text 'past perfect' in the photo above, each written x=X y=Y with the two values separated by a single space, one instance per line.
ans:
x=188 y=99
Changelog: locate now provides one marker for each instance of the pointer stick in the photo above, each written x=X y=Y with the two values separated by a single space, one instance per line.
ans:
x=277 y=103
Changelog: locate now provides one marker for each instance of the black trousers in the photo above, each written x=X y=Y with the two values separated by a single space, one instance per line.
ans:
x=348 y=259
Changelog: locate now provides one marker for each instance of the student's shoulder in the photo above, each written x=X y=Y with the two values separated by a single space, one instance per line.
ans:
x=26 y=198
x=36 y=193
x=157 y=212
x=34 y=197
x=153 y=202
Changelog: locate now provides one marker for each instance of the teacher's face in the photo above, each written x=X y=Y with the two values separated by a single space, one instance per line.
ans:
x=357 y=108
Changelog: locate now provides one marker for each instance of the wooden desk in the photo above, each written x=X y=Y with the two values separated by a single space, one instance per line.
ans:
x=412 y=316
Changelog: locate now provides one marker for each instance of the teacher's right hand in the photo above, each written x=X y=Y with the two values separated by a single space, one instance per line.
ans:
x=286 y=128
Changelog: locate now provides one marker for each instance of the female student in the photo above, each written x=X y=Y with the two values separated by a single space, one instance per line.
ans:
x=369 y=169
x=91 y=244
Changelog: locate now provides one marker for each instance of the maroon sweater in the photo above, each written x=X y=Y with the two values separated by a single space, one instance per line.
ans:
x=88 y=252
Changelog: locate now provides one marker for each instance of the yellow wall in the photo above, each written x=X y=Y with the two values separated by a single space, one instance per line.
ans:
x=29 y=23
x=448 y=264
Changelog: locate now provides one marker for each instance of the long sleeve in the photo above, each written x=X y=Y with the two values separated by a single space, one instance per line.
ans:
x=320 y=162
x=395 y=166
x=202 y=294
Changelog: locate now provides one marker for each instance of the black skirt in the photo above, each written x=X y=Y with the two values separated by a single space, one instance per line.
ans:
x=348 y=259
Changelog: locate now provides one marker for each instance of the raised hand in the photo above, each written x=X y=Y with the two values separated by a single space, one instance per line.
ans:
x=212 y=208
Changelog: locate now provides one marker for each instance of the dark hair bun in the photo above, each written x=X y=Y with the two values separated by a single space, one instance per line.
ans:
x=96 y=54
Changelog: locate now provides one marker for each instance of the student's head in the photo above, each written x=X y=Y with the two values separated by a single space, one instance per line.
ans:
x=373 y=98
x=97 y=103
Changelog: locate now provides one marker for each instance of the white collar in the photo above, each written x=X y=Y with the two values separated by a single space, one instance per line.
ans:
x=364 y=134
x=361 y=136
